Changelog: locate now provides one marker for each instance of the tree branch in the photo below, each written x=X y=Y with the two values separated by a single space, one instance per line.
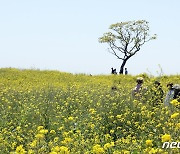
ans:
x=114 y=52
x=119 y=48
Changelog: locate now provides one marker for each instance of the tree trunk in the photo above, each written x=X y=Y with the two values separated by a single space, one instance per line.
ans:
x=122 y=66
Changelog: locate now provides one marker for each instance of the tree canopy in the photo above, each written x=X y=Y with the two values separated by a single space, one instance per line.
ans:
x=126 y=39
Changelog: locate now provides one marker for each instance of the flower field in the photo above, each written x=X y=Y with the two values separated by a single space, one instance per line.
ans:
x=51 y=112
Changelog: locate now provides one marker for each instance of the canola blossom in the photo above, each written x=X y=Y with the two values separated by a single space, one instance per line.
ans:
x=51 y=112
x=149 y=142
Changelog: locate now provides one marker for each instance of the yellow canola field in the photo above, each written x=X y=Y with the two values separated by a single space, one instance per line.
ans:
x=51 y=112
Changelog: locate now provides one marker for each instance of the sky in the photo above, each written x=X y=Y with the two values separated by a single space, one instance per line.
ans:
x=63 y=35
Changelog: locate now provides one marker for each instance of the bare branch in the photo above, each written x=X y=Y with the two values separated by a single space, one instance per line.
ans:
x=114 y=52
x=119 y=48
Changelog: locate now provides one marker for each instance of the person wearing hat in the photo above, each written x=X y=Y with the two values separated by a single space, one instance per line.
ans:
x=137 y=91
x=169 y=95
x=157 y=94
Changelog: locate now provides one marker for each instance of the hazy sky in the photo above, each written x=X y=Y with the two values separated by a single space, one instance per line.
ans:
x=63 y=34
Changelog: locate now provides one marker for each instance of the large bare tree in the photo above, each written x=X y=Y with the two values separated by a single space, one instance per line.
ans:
x=126 y=39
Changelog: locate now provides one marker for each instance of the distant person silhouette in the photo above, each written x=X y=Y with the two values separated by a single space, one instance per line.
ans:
x=113 y=71
x=126 y=71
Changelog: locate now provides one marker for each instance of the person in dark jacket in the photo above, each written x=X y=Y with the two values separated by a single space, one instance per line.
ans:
x=157 y=94
x=113 y=71
x=170 y=95
x=126 y=71
x=176 y=88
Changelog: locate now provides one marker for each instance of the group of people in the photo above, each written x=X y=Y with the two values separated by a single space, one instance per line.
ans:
x=156 y=92
x=113 y=71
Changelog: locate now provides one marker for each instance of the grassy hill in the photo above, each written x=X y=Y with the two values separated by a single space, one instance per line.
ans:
x=57 y=112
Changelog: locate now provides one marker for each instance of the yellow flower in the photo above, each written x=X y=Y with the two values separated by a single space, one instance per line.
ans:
x=70 y=118
x=108 y=145
x=178 y=125
x=174 y=115
x=40 y=136
x=159 y=125
x=92 y=111
x=118 y=116
x=52 y=132
x=97 y=149
x=153 y=151
x=65 y=134
x=56 y=139
x=13 y=145
x=67 y=140
x=166 y=138
x=33 y=144
x=117 y=152
x=50 y=143
x=18 y=128
x=61 y=128
x=39 y=128
x=43 y=131
x=64 y=150
x=111 y=131
x=20 y=150
x=125 y=152
x=53 y=152
x=174 y=102
x=55 y=149
x=19 y=138
x=31 y=151
x=92 y=126
x=149 y=142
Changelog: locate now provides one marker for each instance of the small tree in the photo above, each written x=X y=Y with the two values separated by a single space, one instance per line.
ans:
x=126 y=39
